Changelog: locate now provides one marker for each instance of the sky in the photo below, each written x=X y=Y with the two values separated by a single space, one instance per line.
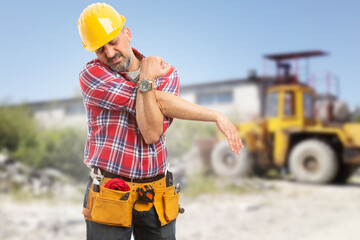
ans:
x=206 y=41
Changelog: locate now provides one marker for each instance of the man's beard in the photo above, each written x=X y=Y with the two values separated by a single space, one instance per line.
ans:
x=122 y=66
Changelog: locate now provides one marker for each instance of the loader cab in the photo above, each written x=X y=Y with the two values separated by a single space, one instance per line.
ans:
x=289 y=103
x=289 y=107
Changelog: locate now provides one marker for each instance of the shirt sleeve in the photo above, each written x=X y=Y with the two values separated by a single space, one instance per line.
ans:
x=102 y=89
x=169 y=83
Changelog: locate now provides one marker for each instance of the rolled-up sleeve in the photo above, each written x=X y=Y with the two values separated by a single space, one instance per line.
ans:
x=102 y=89
x=169 y=83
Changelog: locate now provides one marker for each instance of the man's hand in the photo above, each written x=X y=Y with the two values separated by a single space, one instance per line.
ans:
x=153 y=67
x=230 y=132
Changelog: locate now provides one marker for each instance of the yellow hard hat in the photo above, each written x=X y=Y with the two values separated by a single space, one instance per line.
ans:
x=98 y=24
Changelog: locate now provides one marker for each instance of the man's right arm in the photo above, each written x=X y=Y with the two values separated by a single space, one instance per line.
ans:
x=102 y=89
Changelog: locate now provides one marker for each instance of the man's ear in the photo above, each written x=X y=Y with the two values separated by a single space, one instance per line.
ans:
x=127 y=33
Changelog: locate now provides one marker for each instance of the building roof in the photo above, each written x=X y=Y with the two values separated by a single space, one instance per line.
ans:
x=217 y=84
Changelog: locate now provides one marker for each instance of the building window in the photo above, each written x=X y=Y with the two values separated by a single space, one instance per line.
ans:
x=308 y=105
x=272 y=104
x=75 y=109
x=205 y=99
x=225 y=97
x=289 y=104
x=214 y=98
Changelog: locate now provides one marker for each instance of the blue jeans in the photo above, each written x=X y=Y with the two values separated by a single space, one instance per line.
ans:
x=145 y=226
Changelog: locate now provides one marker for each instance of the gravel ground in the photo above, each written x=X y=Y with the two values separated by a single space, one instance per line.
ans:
x=286 y=211
x=291 y=211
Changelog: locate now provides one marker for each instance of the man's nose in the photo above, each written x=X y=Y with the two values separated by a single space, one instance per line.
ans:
x=109 y=50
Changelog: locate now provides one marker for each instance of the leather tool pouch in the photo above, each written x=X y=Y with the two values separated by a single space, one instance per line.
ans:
x=166 y=204
x=105 y=207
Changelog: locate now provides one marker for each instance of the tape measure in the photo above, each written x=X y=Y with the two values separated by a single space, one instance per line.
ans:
x=146 y=193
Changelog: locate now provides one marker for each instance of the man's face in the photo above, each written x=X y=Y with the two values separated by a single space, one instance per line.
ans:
x=116 y=54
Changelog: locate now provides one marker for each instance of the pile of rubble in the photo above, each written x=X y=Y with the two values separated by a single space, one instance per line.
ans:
x=17 y=177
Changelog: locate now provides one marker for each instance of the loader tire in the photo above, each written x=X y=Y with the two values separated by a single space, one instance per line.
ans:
x=225 y=163
x=313 y=161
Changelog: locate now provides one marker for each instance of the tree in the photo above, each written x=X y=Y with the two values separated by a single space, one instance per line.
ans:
x=21 y=138
x=17 y=127
x=64 y=150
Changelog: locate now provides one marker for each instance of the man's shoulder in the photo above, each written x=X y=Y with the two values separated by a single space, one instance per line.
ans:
x=172 y=71
x=95 y=67
x=93 y=63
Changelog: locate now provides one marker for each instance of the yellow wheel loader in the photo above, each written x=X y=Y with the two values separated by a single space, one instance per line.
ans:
x=290 y=138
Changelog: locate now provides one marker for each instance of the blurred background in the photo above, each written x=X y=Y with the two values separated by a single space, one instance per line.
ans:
x=285 y=73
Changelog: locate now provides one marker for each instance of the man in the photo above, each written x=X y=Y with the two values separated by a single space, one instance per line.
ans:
x=130 y=102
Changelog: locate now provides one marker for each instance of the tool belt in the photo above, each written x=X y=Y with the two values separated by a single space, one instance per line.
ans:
x=135 y=180
x=113 y=207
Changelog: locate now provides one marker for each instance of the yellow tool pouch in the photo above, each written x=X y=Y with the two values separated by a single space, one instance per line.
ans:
x=166 y=204
x=106 y=207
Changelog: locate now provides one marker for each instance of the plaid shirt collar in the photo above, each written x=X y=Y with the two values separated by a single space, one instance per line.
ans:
x=138 y=55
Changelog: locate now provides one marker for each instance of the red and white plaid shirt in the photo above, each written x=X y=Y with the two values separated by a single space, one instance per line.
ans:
x=114 y=141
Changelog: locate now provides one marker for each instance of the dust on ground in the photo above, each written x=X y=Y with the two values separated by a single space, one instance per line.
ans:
x=282 y=211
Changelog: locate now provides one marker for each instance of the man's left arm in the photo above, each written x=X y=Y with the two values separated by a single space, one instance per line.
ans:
x=172 y=106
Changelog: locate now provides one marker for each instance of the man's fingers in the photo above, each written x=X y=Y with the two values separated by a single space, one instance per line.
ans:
x=237 y=141
x=231 y=134
x=231 y=145
x=161 y=62
x=227 y=134
x=232 y=142
x=165 y=68
x=237 y=144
